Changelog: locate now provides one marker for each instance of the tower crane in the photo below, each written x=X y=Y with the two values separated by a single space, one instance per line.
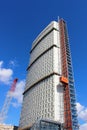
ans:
x=4 y=111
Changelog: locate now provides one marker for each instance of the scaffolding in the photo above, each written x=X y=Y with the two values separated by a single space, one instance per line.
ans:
x=70 y=112
x=64 y=79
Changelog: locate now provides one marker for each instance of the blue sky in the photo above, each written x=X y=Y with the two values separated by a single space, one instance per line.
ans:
x=20 y=22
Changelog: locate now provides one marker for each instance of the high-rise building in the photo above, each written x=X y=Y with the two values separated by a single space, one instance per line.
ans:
x=49 y=94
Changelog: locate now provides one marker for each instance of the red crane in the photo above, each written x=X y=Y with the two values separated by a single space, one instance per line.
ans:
x=3 y=113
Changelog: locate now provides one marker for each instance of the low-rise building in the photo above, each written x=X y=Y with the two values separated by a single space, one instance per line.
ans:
x=8 y=127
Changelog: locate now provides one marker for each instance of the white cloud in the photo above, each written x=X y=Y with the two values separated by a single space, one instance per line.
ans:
x=83 y=127
x=13 y=63
x=82 y=115
x=18 y=94
x=79 y=107
x=82 y=112
x=1 y=63
x=5 y=74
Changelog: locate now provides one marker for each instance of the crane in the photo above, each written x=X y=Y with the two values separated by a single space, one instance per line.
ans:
x=4 y=111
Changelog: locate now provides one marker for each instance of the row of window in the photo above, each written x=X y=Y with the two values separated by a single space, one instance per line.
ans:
x=39 y=101
x=41 y=68
x=42 y=46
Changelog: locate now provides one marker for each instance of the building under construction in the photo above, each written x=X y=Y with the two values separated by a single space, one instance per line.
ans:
x=49 y=101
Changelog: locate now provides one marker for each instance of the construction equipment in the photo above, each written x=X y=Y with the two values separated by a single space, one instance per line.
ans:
x=3 y=113
x=64 y=78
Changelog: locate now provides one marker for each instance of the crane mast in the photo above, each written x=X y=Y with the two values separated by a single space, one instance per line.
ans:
x=4 y=111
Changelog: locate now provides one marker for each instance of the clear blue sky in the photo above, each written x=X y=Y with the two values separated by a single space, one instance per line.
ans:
x=21 y=21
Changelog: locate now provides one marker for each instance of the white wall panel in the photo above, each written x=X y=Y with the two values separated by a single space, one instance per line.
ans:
x=52 y=25
x=58 y=101
x=41 y=68
x=38 y=103
x=43 y=45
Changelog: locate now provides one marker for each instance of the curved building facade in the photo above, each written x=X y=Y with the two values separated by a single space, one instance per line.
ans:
x=45 y=93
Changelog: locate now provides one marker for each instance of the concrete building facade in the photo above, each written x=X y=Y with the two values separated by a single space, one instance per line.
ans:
x=44 y=94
